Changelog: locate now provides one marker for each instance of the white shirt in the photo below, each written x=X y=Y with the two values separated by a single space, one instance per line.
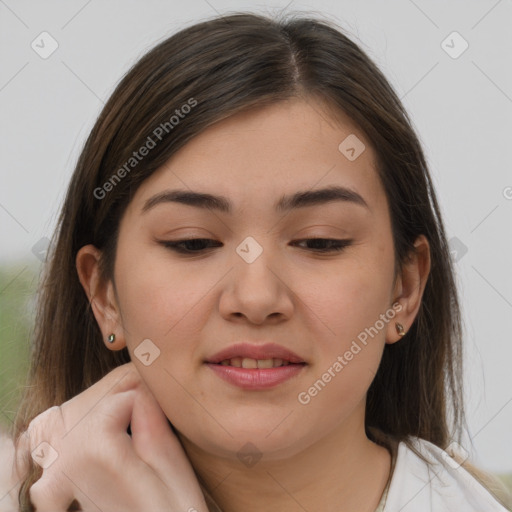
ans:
x=442 y=486
x=414 y=486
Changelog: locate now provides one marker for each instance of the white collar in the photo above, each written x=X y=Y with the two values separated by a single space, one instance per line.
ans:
x=443 y=486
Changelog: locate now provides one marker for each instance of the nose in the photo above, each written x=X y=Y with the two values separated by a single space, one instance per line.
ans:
x=257 y=288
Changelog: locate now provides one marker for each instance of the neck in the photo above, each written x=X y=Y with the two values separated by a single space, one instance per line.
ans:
x=344 y=470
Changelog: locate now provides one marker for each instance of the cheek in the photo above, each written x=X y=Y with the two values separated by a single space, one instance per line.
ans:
x=352 y=315
x=162 y=303
x=350 y=338
x=158 y=297
x=348 y=300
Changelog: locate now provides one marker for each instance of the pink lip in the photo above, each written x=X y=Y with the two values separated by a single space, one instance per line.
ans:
x=265 y=351
x=256 y=378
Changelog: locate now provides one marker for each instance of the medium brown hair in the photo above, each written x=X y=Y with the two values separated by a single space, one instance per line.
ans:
x=229 y=64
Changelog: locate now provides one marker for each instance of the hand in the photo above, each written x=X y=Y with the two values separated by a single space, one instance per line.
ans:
x=97 y=463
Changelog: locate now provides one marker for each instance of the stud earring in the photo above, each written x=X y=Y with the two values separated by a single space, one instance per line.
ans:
x=400 y=329
x=111 y=338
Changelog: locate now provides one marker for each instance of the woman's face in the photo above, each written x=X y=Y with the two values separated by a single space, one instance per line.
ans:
x=259 y=280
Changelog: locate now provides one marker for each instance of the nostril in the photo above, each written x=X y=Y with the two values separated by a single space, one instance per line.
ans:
x=75 y=505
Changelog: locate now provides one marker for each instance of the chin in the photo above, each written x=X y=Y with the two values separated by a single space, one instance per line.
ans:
x=263 y=441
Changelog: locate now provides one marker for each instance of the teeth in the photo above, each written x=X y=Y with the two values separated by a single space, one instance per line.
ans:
x=247 y=362
x=265 y=363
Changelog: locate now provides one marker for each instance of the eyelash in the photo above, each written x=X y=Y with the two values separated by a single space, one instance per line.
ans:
x=339 y=245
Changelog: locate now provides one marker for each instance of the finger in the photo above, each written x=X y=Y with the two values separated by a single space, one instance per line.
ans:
x=149 y=424
x=35 y=442
x=51 y=493
x=114 y=414
x=119 y=380
x=157 y=445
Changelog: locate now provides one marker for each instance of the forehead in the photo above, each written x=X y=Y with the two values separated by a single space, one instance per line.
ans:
x=256 y=157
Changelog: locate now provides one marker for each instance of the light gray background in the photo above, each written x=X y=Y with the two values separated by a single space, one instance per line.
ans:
x=461 y=108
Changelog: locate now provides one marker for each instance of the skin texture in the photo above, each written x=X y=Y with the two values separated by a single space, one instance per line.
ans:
x=313 y=456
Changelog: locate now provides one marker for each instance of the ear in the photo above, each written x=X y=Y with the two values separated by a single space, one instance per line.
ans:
x=101 y=295
x=409 y=287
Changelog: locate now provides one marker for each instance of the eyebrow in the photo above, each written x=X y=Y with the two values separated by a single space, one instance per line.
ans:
x=286 y=203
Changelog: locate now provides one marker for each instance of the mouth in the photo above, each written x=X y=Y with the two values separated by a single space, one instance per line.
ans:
x=254 y=366
x=250 y=355
x=247 y=362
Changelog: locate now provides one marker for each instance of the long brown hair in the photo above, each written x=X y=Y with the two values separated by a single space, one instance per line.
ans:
x=223 y=66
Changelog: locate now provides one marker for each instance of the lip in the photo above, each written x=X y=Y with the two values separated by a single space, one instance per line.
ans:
x=256 y=378
x=264 y=351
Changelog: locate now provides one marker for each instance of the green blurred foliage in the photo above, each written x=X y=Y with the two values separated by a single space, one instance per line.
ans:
x=18 y=285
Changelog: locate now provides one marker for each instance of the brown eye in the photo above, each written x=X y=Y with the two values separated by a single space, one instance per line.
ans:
x=333 y=245
x=188 y=246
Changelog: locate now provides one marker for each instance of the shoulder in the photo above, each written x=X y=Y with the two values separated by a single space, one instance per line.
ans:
x=8 y=486
x=441 y=484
